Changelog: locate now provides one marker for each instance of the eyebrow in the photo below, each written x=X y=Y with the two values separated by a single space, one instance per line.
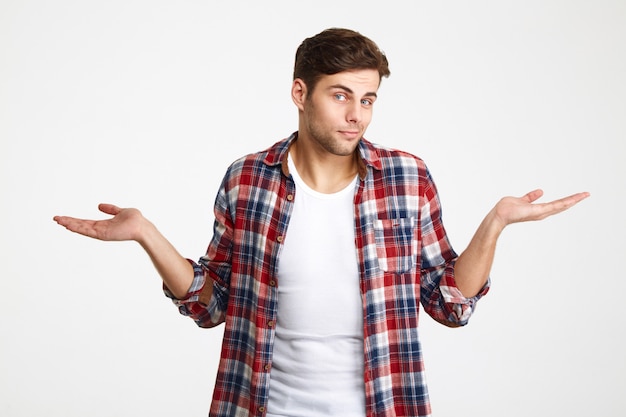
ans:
x=349 y=90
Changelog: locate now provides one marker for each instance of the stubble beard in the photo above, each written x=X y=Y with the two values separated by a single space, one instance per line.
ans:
x=323 y=136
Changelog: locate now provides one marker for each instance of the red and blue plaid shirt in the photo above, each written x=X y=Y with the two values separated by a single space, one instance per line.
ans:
x=404 y=258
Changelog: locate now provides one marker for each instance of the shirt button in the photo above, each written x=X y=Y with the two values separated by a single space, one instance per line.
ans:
x=272 y=283
x=261 y=409
x=267 y=367
x=279 y=239
x=290 y=197
x=270 y=323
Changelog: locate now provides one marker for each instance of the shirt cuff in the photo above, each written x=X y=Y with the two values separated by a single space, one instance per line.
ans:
x=196 y=285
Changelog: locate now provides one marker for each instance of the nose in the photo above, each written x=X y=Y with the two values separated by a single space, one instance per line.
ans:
x=354 y=114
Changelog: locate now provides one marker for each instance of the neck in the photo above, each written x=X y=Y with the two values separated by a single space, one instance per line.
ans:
x=323 y=171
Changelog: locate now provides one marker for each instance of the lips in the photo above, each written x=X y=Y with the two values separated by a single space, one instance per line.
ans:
x=352 y=134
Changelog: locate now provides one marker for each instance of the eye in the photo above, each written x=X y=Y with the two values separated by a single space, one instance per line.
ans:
x=367 y=102
x=340 y=97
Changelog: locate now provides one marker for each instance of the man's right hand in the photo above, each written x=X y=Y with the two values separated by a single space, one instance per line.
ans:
x=126 y=224
x=129 y=224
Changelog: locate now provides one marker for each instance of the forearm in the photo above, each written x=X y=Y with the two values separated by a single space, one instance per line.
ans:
x=177 y=273
x=473 y=266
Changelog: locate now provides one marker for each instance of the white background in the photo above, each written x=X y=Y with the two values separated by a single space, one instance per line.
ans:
x=145 y=103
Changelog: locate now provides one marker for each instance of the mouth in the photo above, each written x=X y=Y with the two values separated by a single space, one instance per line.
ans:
x=350 y=134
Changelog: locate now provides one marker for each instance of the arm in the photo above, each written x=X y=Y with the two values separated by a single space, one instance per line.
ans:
x=474 y=264
x=129 y=224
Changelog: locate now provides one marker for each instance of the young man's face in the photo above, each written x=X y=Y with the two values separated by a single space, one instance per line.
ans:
x=336 y=114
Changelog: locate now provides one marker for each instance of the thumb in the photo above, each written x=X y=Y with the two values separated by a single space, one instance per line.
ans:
x=109 y=209
x=533 y=195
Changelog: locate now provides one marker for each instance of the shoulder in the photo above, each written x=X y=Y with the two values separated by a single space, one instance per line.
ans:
x=259 y=165
x=386 y=158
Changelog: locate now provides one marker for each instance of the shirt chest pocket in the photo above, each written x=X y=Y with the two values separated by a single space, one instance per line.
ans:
x=396 y=247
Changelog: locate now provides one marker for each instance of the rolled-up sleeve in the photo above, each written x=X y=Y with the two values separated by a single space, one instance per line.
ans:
x=440 y=296
x=207 y=305
x=203 y=310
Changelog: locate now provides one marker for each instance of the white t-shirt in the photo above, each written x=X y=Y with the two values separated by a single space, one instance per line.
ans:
x=317 y=366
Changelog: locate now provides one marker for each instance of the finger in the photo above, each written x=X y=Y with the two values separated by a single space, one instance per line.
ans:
x=80 y=226
x=533 y=195
x=64 y=220
x=567 y=202
x=578 y=197
x=109 y=209
x=560 y=205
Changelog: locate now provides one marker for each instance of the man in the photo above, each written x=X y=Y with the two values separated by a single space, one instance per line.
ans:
x=324 y=246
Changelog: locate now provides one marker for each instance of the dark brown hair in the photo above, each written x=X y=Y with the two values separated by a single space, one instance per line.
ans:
x=335 y=50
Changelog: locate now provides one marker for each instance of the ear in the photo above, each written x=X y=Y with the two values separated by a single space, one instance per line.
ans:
x=298 y=93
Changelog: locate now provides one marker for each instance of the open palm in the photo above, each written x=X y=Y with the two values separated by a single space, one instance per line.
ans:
x=520 y=209
x=124 y=225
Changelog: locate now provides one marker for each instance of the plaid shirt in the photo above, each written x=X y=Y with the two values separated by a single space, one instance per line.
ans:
x=404 y=258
